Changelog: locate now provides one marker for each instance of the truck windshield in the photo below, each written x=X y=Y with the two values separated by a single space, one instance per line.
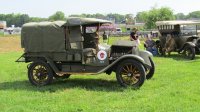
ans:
x=91 y=29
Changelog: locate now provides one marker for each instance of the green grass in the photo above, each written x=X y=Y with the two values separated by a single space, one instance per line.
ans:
x=9 y=36
x=175 y=87
x=1 y=34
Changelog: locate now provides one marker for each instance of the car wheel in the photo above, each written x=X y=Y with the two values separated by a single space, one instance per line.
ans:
x=40 y=73
x=189 y=52
x=150 y=72
x=130 y=73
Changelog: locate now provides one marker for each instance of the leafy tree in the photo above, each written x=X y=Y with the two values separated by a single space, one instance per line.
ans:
x=166 y=13
x=9 y=18
x=59 y=15
x=152 y=18
x=19 y=19
x=118 y=18
x=100 y=16
x=37 y=19
x=180 y=16
x=194 y=15
x=24 y=18
x=115 y=17
x=161 y=14
x=141 y=16
x=129 y=19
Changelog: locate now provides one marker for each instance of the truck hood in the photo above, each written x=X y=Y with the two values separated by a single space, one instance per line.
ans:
x=125 y=43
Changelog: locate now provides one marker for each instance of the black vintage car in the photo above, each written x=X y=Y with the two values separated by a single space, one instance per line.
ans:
x=185 y=34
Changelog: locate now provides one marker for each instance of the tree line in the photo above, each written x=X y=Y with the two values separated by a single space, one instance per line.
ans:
x=148 y=17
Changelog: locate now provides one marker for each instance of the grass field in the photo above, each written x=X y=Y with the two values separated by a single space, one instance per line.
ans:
x=175 y=87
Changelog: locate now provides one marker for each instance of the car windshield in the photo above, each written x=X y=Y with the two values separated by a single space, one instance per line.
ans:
x=188 y=29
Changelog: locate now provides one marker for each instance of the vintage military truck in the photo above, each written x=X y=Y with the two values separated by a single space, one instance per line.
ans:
x=185 y=34
x=63 y=48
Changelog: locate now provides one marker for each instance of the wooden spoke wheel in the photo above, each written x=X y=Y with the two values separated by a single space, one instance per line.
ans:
x=40 y=73
x=130 y=73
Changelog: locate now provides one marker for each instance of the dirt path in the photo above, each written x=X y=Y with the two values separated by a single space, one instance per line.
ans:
x=10 y=44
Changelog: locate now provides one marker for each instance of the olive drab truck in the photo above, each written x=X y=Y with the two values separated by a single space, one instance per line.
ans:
x=63 y=48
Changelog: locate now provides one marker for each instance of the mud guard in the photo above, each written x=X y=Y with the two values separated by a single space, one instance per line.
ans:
x=146 y=55
x=187 y=44
x=49 y=61
x=128 y=56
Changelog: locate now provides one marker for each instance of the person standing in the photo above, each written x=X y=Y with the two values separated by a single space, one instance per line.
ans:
x=105 y=37
x=134 y=36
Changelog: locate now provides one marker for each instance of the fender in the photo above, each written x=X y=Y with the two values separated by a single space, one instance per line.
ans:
x=128 y=56
x=146 y=55
x=190 y=44
x=53 y=66
x=187 y=44
x=49 y=61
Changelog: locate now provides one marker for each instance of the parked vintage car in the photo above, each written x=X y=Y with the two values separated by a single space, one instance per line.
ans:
x=63 y=48
x=185 y=34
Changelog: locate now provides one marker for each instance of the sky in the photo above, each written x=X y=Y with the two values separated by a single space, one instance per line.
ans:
x=45 y=8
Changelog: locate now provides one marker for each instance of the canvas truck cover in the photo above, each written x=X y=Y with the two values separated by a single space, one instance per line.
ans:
x=75 y=21
x=50 y=36
x=43 y=37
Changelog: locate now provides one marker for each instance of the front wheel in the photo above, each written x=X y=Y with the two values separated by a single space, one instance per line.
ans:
x=40 y=73
x=189 y=52
x=130 y=73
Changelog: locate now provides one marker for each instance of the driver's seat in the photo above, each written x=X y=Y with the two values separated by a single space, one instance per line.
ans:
x=90 y=46
x=90 y=40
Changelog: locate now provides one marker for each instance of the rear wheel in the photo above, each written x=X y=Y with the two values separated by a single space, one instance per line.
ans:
x=40 y=73
x=150 y=72
x=189 y=52
x=130 y=73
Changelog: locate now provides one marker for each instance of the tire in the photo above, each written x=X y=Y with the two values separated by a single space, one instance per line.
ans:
x=126 y=77
x=150 y=72
x=189 y=52
x=64 y=76
x=40 y=73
